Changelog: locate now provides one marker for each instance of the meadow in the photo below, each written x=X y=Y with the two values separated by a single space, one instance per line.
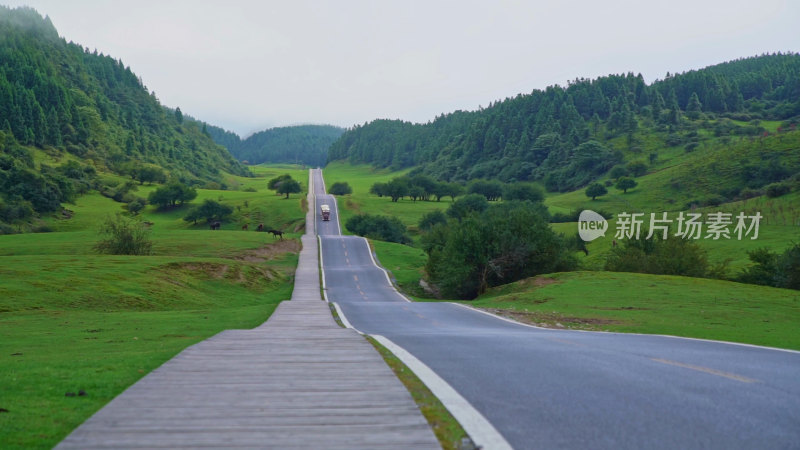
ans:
x=74 y=321
x=597 y=300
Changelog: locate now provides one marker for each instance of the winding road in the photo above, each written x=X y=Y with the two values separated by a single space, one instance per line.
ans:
x=543 y=388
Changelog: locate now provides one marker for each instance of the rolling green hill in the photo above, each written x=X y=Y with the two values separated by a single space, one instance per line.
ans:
x=301 y=144
x=568 y=137
x=61 y=103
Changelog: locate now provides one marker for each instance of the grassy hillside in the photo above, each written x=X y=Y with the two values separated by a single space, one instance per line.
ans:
x=704 y=308
x=73 y=320
x=657 y=304
x=361 y=177
x=68 y=114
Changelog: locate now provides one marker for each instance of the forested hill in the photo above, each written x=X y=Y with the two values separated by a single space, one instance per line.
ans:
x=61 y=98
x=303 y=144
x=568 y=136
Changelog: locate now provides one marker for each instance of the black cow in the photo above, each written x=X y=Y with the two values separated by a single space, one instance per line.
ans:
x=216 y=225
x=276 y=233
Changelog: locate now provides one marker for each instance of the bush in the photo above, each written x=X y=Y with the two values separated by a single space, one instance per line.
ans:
x=772 y=269
x=466 y=205
x=341 y=188
x=124 y=237
x=750 y=193
x=136 y=205
x=777 y=189
x=522 y=191
x=432 y=218
x=505 y=243
x=172 y=195
x=637 y=168
x=384 y=228
x=210 y=210
x=672 y=256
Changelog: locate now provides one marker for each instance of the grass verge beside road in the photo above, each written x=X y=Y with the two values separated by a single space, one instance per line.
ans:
x=652 y=304
x=446 y=428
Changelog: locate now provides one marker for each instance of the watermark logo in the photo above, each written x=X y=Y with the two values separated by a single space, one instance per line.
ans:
x=717 y=225
x=591 y=225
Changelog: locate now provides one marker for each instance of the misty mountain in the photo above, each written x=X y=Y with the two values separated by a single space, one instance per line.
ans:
x=302 y=144
x=61 y=102
x=567 y=137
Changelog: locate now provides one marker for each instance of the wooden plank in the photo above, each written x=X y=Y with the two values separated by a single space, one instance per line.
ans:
x=296 y=381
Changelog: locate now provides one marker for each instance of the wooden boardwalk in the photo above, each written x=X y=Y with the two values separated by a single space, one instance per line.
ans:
x=297 y=381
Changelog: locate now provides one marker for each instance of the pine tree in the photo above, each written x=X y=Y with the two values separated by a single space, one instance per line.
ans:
x=694 y=108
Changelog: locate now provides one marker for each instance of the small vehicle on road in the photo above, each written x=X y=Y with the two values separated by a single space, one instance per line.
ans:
x=326 y=212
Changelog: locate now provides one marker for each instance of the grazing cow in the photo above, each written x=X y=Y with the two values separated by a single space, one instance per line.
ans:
x=244 y=227
x=260 y=227
x=216 y=225
x=276 y=233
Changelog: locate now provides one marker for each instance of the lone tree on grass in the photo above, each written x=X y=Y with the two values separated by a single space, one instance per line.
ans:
x=284 y=184
x=172 y=194
x=595 y=190
x=289 y=186
x=210 y=210
x=625 y=183
x=341 y=188
x=124 y=236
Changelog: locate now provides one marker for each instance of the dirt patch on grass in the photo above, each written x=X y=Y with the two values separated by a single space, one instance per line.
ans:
x=554 y=320
x=538 y=281
x=250 y=275
x=271 y=251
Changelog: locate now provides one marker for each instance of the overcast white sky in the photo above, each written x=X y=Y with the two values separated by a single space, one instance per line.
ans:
x=251 y=65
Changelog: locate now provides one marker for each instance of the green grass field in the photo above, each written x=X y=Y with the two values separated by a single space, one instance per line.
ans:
x=657 y=304
x=703 y=308
x=73 y=320
x=361 y=178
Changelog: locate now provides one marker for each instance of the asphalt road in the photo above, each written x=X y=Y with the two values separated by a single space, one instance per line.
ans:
x=544 y=388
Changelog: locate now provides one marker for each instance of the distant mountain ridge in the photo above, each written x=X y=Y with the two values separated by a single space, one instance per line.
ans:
x=301 y=144
x=67 y=113
x=566 y=137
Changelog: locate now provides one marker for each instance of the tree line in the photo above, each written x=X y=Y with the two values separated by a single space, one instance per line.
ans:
x=424 y=188
x=302 y=144
x=566 y=137
x=63 y=98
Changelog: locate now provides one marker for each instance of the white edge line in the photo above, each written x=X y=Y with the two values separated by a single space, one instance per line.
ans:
x=479 y=429
x=336 y=205
x=312 y=194
x=740 y=344
x=344 y=320
x=385 y=272
x=322 y=270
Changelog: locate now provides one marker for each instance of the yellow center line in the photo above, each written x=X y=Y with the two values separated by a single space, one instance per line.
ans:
x=355 y=277
x=720 y=373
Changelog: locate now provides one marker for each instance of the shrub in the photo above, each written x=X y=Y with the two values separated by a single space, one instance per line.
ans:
x=507 y=242
x=672 y=256
x=637 y=168
x=340 y=188
x=209 y=210
x=772 y=269
x=777 y=189
x=466 y=205
x=384 y=228
x=522 y=191
x=136 y=205
x=124 y=237
x=432 y=218
x=750 y=193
